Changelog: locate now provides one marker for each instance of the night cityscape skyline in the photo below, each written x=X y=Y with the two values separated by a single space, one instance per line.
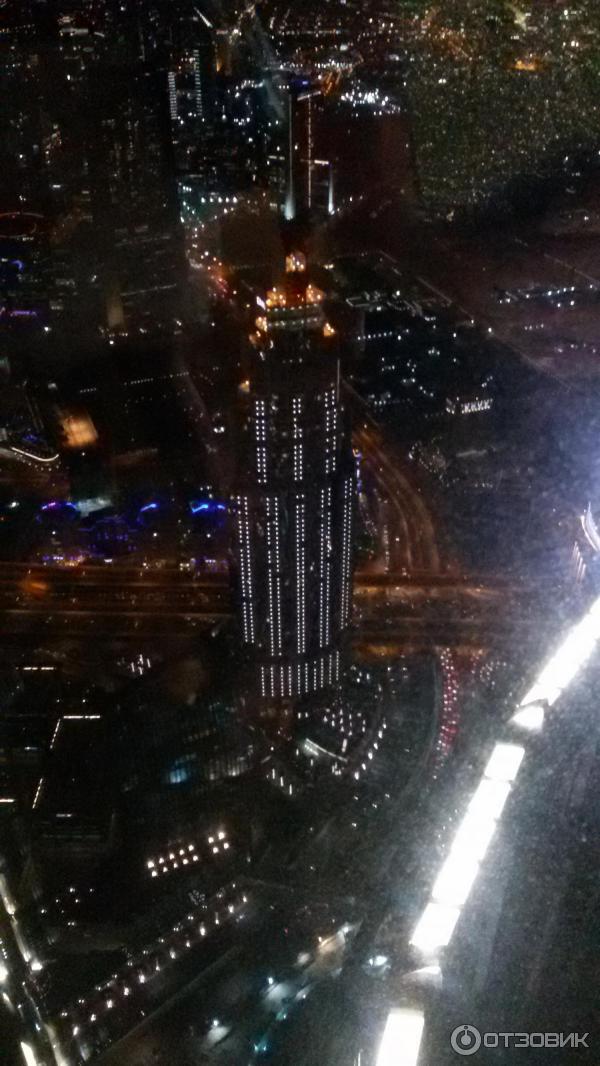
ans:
x=299 y=543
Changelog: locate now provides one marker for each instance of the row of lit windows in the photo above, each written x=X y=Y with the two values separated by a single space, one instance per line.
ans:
x=274 y=574
x=261 y=442
x=325 y=554
x=282 y=680
x=346 y=590
x=300 y=575
x=246 y=577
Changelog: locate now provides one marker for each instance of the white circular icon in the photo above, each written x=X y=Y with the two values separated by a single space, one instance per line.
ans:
x=465 y=1040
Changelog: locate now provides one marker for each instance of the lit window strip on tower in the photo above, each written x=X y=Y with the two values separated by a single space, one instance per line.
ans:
x=198 y=84
x=261 y=441
x=297 y=431
x=346 y=581
x=273 y=575
x=300 y=579
x=276 y=538
x=330 y=431
x=322 y=568
x=172 y=95
x=244 y=537
x=325 y=569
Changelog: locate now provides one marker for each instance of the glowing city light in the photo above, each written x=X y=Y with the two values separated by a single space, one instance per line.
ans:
x=401 y=1040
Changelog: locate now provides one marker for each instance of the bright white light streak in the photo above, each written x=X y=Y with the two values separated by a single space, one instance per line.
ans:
x=489 y=798
x=504 y=762
x=530 y=718
x=459 y=872
x=455 y=880
x=573 y=653
x=435 y=927
x=6 y=897
x=474 y=836
x=25 y=952
x=3 y=973
x=589 y=528
x=28 y=1054
x=37 y=458
x=401 y=1040
x=203 y=17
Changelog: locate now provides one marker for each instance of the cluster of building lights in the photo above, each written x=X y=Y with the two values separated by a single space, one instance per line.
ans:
x=281 y=781
x=370 y=754
x=9 y=907
x=172 y=860
x=345 y=721
x=153 y=960
x=278 y=298
x=448 y=726
x=556 y=295
x=373 y=99
x=469 y=407
x=451 y=70
x=182 y=856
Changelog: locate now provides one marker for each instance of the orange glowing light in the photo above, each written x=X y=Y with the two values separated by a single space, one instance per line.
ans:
x=530 y=64
x=295 y=263
x=79 y=431
x=34 y=586
x=276 y=298
x=314 y=295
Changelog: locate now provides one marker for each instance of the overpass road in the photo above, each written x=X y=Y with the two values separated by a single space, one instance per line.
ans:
x=36 y=589
x=392 y=611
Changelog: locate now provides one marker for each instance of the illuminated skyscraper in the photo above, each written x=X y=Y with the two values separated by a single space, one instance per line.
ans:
x=295 y=501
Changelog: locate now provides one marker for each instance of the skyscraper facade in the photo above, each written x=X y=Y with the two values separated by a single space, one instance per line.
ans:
x=295 y=501
x=308 y=176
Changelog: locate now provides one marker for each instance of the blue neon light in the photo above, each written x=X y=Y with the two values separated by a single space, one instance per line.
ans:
x=149 y=507
x=54 y=504
x=206 y=505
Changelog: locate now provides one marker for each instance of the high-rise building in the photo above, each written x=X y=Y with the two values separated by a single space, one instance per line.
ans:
x=134 y=191
x=294 y=504
x=309 y=177
x=88 y=145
